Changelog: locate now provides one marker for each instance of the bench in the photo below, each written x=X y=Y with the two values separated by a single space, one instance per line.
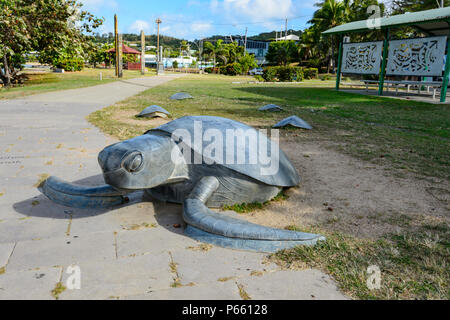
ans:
x=429 y=84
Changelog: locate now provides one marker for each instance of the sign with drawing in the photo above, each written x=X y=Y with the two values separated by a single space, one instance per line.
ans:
x=416 y=57
x=361 y=58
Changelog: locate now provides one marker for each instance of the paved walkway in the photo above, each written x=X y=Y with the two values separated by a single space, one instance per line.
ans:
x=131 y=252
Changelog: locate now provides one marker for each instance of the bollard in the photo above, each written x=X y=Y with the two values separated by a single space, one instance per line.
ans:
x=100 y=76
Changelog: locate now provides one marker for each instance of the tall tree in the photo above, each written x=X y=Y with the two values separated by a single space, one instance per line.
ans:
x=331 y=14
x=52 y=27
x=282 y=52
x=402 y=6
x=215 y=51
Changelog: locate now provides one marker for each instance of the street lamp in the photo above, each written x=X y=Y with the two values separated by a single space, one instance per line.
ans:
x=200 y=50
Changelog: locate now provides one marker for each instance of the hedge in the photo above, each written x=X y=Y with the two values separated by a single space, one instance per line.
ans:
x=283 y=73
x=231 y=69
x=311 y=73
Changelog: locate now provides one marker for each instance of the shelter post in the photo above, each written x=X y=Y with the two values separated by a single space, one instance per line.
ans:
x=446 y=73
x=338 y=74
x=383 y=63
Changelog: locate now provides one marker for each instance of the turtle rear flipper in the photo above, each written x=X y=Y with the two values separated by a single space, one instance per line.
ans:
x=208 y=226
x=79 y=196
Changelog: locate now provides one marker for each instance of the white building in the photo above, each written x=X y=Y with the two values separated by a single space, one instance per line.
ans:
x=289 y=37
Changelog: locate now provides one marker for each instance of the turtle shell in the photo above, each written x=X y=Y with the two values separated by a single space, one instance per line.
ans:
x=153 y=111
x=270 y=107
x=180 y=96
x=273 y=168
x=293 y=121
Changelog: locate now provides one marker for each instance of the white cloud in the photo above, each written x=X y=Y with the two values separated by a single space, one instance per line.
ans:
x=139 y=25
x=201 y=27
x=98 y=4
x=256 y=10
x=184 y=26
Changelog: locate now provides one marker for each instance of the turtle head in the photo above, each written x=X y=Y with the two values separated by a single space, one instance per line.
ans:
x=140 y=163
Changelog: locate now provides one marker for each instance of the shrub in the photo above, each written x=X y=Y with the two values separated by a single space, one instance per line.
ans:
x=259 y=78
x=269 y=73
x=311 y=73
x=212 y=70
x=70 y=64
x=231 y=69
x=284 y=73
x=289 y=74
x=175 y=64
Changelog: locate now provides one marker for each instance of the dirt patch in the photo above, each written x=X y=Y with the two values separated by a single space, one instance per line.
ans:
x=341 y=193
x=129 y=117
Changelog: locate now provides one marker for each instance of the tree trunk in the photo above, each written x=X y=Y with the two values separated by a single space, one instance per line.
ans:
x=7 y=75
x=332 y=55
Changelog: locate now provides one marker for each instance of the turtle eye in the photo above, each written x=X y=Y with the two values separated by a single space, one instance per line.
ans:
x=133 y=162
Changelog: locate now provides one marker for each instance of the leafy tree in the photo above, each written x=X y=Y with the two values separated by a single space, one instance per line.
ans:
x=316 y=50
x=331 y=14
x=402 y=6
x=98 y=54
x=215 y=51
x=55 y=28
x=247 y=62
x=184 y=48
x=282 y=52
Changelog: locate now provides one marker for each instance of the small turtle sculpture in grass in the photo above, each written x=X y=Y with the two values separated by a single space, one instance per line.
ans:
x=293 y=121
x=271 y=107
x=153 y=112
x=181 y=96
x=160 y=162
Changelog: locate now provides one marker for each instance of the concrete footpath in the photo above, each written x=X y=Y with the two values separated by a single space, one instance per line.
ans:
x=135 y=251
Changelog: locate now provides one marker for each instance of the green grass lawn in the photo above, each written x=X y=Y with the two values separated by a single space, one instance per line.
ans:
x=404 y=137
x=45 y=82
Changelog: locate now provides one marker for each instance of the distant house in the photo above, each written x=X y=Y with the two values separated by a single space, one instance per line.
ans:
x=289 y=37
x=150 y=61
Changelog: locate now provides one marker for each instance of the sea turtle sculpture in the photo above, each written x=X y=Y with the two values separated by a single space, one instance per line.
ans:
x=153 y=112
x=271 y=107
x=293 y=121
x=181 y=96
x=171 y=164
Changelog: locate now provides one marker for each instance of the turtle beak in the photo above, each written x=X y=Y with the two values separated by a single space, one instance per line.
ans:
x=109 y=158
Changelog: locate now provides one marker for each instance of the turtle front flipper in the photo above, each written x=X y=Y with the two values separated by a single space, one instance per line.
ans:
x=208 y=226
x=78 y=196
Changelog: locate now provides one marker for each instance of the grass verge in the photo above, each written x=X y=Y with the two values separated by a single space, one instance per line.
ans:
x=413 y=265
x=45 y=82
x=408 y=136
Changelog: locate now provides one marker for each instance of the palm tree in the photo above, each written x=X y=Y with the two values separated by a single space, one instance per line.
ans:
x=184 y=47
x=331 y=14
x=215 y=51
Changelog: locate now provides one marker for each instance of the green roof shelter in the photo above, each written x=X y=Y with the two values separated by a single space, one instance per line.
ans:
x=433 y=23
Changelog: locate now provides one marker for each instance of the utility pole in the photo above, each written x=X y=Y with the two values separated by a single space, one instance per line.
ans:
x=142 y=52
x=245 y=42
x=442 y=3
x=158 y=21
x=159 y=63
x=285 y=29
x=119 y=56
x=116 y=45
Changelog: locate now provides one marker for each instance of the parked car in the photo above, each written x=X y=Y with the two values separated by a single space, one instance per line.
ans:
x=256 y=71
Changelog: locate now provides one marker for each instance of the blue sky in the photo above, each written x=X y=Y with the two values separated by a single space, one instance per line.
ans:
x=195 y=19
